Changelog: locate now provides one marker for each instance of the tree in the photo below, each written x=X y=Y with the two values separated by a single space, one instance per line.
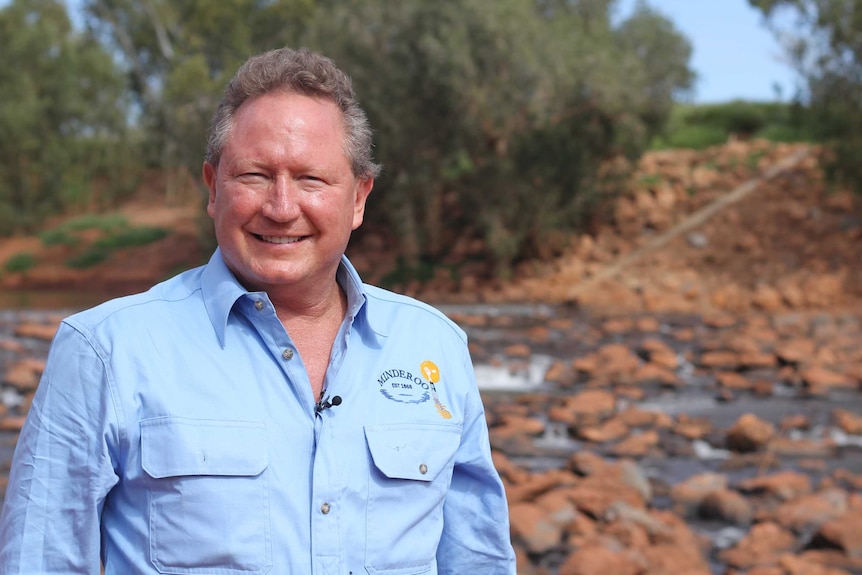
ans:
x=824 y=42
x=494 y=118
x=178 y=55
x=62 y=123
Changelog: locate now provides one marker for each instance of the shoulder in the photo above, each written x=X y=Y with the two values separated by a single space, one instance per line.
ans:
x=175 y=293
x=395 y=310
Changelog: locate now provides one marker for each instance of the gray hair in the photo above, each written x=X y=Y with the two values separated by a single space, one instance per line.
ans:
x=301 y=72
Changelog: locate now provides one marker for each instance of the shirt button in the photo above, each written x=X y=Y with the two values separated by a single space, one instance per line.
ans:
x=258 y=305
x=423 y=469
x=325 y=508
x=287 y=354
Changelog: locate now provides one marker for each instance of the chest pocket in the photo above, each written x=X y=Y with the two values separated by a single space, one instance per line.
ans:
x=410 y=476
x=208 y=495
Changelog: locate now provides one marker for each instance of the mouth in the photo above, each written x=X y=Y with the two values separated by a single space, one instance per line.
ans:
x=280 y=239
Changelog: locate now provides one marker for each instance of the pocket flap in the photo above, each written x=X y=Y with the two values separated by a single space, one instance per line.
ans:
x=412 y=450
x=175 y=446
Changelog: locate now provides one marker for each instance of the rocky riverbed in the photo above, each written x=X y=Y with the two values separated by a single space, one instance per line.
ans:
x=644 y=444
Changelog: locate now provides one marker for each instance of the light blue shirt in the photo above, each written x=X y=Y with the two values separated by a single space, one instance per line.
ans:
x=175 y=431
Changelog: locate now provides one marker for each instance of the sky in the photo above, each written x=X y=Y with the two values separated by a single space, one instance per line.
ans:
x=734 y=54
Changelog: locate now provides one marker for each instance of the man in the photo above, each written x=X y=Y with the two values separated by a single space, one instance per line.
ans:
x=267 y=412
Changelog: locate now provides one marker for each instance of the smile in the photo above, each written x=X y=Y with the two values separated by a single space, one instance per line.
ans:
x=281 y=239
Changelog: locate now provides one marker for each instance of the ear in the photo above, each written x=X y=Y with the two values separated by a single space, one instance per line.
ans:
x=361 y=191
x=209 y=175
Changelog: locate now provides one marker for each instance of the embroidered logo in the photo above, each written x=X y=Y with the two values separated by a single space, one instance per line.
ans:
x=432 y=373
x=404 y=387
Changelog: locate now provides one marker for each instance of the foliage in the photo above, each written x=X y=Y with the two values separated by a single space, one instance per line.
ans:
x=494 y=118
x=179 y=54
x=823 y=43
x=62 y=117
x=20 y=262
x=112 y=232
x=502 y=121
x=701 y=126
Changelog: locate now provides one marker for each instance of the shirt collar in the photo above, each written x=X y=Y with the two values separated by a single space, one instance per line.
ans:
x=221 y=290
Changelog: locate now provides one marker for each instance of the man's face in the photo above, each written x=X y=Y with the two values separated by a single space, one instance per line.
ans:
x=283 y=197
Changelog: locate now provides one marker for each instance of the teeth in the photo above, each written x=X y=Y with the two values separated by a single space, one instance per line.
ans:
x=280 y=239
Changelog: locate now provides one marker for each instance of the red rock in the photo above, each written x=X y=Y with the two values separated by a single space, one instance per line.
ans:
x=595 y=402
x=796 y=351
x=749 y=433
x=688 y=495
x=844 y=532
x=720 y=359
x=727 y=506
x=518 y=350
x=610 y=430
x=733 y=380
x=599 y=560
x=763 y=546
x=819 y=377
x=37 y=330
x=802 y=447
x=24 y=374
x=514 y=425
x=653 y=373
x=794 y=565
x=847 y=421
x=812 y=511
x=636 y=445
x=784 y=485
x=531 y=526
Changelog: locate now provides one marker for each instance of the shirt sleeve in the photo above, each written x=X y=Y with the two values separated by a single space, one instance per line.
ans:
x=481 y=544
x=62 y=469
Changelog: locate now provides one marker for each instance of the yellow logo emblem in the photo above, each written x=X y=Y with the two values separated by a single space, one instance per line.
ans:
x=432 y=373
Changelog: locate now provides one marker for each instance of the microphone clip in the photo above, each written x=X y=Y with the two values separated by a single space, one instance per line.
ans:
x=326 y=403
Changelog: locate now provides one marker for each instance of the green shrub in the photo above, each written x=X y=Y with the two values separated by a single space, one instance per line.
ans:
x=131 y=237
x=58 y=237
x=89 y=257
x=105 y=223
x=20 y=262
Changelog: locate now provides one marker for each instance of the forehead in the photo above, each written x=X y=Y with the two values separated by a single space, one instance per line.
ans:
x=281 y=110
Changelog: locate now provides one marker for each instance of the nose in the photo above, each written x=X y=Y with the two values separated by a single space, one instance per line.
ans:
x=282 y=201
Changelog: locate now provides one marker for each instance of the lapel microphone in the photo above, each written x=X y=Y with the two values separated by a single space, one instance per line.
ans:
x=326 y=403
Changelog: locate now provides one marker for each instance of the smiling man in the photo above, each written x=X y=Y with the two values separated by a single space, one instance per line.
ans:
x=267 y=413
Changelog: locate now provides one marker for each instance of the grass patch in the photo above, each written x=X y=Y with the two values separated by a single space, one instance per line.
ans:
x=20 y=262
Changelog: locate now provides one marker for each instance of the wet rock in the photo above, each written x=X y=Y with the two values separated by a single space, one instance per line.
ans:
x=749 y=433
x=796 y=351
x=611 y=430
x=794 y=565
x=727 y=506
x=844 y=532
x=781 y=486
x=688 y=495
x=820 y=378
x=539 y=483
x=43 y=331
x=733 y=380
x=763 y=546
x=803 y=447
x=637 y=445
x=847 y=421
x=24 y=374
x=532 y=527
x=652 y=373
x=511 y=425
x=590 y=403
x=809 y=512
x=598 y=559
